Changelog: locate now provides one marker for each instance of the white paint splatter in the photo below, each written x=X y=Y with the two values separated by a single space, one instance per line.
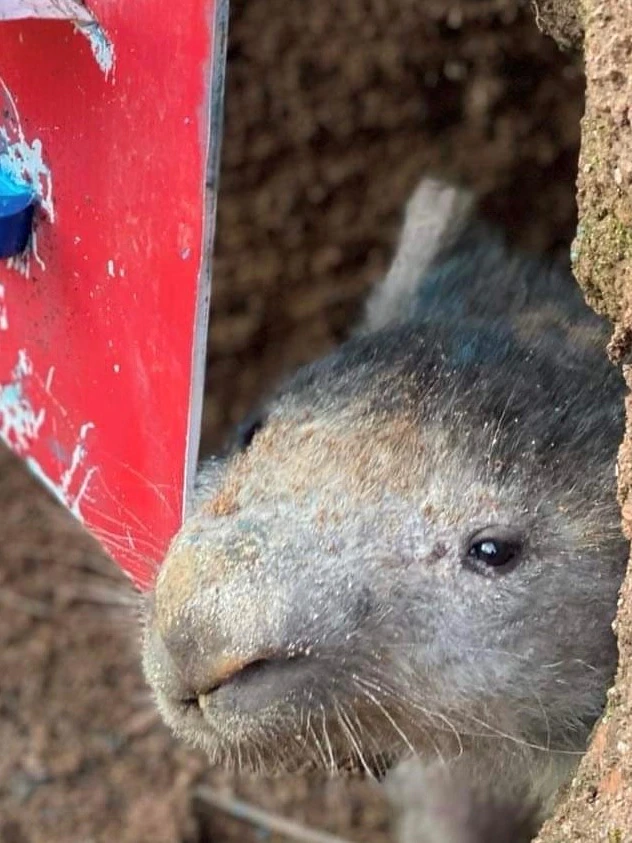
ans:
x=49 y=378
x=70 y=501
x=111 y=271
x=16 y=9
x=102 y=47
x=20 y=423
x=21 y=428
x=36 y=255
x=21 y=264
x=84 y=21
x=4 y=316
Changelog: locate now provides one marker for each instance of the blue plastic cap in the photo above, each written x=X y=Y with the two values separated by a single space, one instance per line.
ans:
x=17 y=205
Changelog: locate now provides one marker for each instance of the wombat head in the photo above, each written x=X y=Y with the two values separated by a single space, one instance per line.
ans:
x=418 y=547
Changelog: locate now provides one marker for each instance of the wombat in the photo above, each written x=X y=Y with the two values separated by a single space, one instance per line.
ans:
x=409 y=560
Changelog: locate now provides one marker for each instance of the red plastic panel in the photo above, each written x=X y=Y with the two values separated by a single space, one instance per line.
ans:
x=103 y=322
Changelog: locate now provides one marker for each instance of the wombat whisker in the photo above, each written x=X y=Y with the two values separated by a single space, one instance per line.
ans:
x=545 y=716
x=558 y=664
x=430 y=716
x=414 y=645
x=395 y=698
x=368 y=738
x=319 y=747
x=354 y=746
x=327 y=741
x=495 y=732
x=308 y=742
x=311 y=741
x=385 y=714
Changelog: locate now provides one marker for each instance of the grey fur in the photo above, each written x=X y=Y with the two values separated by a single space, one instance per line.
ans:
x=321 y=606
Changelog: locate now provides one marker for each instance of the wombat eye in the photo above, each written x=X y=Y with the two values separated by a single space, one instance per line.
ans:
x=493 y=550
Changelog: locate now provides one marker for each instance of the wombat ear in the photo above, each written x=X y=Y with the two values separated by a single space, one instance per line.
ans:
x=435 y=215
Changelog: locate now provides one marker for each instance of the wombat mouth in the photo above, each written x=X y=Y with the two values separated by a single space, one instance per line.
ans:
x=295 y=681
x=256 y=685
x=247 y=673
x=253 y=671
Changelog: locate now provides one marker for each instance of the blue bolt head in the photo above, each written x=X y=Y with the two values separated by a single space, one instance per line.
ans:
x=17 y=206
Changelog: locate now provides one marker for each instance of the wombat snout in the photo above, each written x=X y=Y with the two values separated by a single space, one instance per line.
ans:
x=206 y=625
x=225 y=634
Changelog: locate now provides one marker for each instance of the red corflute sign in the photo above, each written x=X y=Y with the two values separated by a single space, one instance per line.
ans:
x=110 y=125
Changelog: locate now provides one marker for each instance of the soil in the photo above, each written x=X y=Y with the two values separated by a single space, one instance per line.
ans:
x=333 y=111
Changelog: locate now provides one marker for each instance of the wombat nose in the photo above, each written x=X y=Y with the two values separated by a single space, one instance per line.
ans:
x=199 y=661
x=200 y=669
x=206 y=624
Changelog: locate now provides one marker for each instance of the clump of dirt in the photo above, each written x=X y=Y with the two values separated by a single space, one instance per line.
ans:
x=333 y=111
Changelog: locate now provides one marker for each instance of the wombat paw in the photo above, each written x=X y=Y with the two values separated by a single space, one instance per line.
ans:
x=443 y=804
